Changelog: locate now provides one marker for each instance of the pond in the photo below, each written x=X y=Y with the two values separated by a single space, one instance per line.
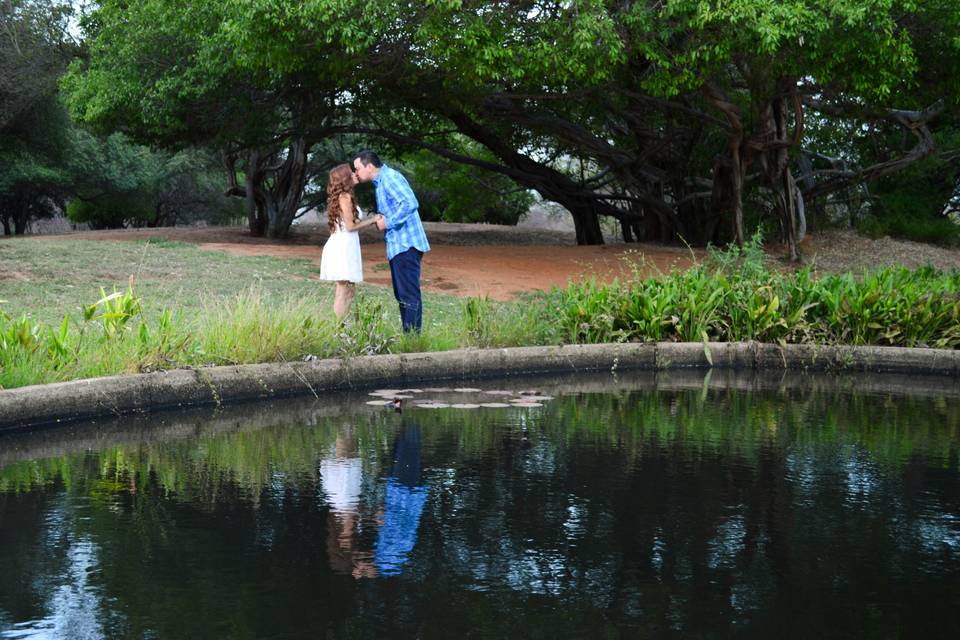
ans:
x=630 y=505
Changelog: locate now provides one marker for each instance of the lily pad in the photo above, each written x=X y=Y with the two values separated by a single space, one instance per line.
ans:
x=527 y=404
x=465 y=405
x=494 y=405
x=468 y=390
x=379 y=403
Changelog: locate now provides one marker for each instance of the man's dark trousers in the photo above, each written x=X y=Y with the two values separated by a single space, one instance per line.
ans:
x=405 y=272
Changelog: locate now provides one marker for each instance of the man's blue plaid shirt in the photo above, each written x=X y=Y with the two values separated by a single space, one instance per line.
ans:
x=395 y=200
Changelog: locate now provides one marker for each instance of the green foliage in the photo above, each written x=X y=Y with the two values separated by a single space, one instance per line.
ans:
x=114 y=311
x=938 y=230
x=618 y=85
x=34 y=156
x=34 y=149
x=910 y=204
x=35 y=45
x=455 y=192
x=478 y=321
x=368 y=333
x=847 y=43
x=110 y=212
x=118 y=183
x=734 y=297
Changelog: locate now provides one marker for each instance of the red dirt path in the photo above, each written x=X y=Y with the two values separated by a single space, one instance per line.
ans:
x=465 y=260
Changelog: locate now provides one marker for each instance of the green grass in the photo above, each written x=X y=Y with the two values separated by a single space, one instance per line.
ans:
x=190 y=307
x=193 y=308
x=61 y=275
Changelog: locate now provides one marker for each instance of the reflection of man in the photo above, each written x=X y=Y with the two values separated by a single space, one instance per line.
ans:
x=405 y=499
x=341 y=475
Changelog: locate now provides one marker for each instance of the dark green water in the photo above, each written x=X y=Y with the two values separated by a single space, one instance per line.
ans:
x=623 y=508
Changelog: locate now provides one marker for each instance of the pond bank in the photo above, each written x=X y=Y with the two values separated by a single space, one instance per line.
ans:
x=118 y=395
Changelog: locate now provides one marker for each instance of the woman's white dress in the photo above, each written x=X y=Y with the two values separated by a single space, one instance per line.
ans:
x=341 y=258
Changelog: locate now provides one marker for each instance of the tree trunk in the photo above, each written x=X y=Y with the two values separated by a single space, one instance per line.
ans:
x=738 y=162
x=801 y=213
x=551 y=184
x=776 y=164
x=736 y=186
x=288 y=189
x=256 y=221
x=21 y=219
x=587 y=225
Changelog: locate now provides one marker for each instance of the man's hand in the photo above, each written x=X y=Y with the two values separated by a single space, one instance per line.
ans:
x=381 y=222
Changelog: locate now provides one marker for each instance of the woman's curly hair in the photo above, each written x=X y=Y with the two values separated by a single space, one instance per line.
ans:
x=341 y=181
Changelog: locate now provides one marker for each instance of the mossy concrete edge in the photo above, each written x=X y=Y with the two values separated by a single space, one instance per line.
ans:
x=117 y=395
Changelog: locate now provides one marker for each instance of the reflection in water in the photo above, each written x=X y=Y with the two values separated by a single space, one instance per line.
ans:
x=341 y=476
x=637 y=513
x=398 y=518
x=73 y=606
x=405 y=497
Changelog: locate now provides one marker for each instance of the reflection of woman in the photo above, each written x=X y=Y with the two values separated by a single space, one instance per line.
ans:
x=342 y=475
x=341 y=261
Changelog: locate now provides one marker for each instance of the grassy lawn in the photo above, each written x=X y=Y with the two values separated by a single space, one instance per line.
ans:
x=193 y=307
x=45 y=279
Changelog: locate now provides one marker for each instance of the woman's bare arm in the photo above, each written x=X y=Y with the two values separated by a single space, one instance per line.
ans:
x=346 y=215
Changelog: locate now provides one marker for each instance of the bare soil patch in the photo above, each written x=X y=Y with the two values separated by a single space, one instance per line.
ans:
x=501 y=262
x=21 y=276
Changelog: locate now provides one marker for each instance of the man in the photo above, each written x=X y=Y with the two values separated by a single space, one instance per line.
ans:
x=403 y=232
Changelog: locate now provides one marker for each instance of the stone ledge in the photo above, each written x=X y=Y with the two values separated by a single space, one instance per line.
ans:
x=117 y=395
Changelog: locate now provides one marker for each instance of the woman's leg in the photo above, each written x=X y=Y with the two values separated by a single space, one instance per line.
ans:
x=343 y=298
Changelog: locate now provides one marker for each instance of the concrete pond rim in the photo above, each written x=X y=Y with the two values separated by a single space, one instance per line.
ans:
x=63 y=402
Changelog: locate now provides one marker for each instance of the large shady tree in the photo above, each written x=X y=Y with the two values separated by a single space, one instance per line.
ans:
x=668 y=116
x=180 y=73
x=676 y=109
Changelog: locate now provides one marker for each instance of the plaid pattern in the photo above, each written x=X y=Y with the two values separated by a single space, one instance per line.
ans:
x=395 y=200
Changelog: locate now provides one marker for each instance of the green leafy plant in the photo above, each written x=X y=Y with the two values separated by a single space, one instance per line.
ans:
x=115 y=311
x=368 y=334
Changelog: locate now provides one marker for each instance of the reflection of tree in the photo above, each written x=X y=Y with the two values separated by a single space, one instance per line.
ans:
x=677 y=510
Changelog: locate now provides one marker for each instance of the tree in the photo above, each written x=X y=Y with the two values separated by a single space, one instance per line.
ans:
x=34 y=150
x=34 y=154
x=117 y=183
x=678 y=107
x=455 y=192
x=34 y=48
x=666 y=116
x=188 y=73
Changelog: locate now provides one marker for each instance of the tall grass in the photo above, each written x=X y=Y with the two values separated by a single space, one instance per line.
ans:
x=734 y=295
x=731 y=296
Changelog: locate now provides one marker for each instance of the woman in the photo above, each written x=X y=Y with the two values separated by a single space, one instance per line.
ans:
x=341 y=261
